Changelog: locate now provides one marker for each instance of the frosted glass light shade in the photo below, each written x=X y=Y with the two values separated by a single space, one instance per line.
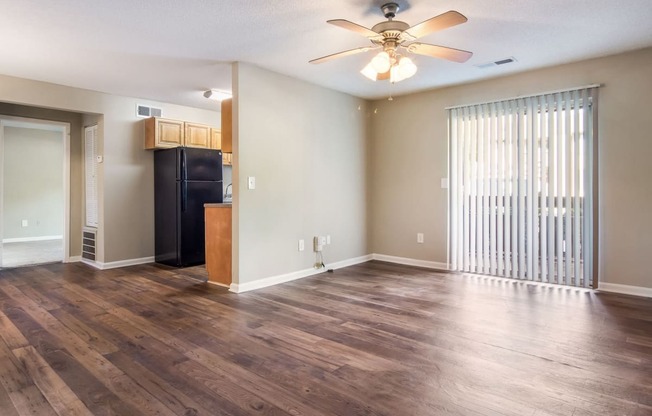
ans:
x=369 y=72
x=381 y=62
x=403 y=70
x=395 y=75
x=406 y=67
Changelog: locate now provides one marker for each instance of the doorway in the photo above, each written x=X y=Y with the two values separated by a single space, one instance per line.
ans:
x=34 y=191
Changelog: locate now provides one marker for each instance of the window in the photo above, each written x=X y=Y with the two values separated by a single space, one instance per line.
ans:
x=522 y=187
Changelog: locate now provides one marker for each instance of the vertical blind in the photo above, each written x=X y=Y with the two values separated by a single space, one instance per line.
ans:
x=522 y=186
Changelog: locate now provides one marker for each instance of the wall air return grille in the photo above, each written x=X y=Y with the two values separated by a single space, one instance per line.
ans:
x=89 y=241
x=146 y=111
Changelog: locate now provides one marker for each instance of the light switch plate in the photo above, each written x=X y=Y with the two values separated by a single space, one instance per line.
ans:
x=444 y=183
x=251 y=182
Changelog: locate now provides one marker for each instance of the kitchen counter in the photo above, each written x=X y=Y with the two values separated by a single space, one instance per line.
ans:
x=219 y=205
x=218 y=243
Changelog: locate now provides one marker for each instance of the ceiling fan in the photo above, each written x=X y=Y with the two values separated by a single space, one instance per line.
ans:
x=392 y=35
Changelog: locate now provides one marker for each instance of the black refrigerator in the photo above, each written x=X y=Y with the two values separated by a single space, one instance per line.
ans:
x=184 y=180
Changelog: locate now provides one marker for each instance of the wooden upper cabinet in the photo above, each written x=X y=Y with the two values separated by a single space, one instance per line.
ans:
x=216 y=139
x=163 y=133
x=198 y=135
x=227 y=121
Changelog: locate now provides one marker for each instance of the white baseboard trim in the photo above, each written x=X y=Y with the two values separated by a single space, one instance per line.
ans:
x=73 y=259
x=288 y=277
x=30 y=239
x=117 y=264
x=411 y=262
x=625 y=289
x=350 y=262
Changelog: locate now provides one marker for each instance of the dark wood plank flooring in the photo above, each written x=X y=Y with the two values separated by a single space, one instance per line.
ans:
x=372 y=339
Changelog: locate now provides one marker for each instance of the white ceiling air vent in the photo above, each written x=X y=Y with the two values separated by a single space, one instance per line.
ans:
x=146 y=111
x=497 y=63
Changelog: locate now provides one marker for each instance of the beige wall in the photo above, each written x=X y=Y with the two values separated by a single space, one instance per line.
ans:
x=33 y=183
x=126 y=176
x=306 y=146
x=409 y=156
x=323 y=167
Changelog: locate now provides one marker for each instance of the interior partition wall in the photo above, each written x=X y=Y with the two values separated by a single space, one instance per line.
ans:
x=523 y=182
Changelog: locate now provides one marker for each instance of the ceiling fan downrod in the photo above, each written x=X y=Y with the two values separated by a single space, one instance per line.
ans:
x=389 y=10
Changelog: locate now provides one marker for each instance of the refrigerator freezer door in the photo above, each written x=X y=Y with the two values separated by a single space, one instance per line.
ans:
x=200 y=164
x=193 y=196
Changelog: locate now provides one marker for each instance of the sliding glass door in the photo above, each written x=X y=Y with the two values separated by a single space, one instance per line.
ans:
x=522 y=179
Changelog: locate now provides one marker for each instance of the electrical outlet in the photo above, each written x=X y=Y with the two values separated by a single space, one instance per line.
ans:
x=24 y=223
x=302 y=245
x=420 y=238
x=328 y=239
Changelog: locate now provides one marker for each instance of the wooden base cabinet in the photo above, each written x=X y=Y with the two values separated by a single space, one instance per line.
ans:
x=218 y=243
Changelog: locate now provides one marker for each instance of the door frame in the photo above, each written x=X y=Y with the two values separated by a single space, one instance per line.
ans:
x=64 y=128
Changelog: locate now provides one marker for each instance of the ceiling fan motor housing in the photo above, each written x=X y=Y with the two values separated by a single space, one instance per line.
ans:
x=391 y=33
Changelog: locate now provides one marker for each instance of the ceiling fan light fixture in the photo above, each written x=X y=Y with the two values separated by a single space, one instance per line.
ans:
x=381 y=62
x=392 y=35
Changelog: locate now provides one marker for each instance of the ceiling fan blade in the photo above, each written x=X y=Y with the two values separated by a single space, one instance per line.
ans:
x=455 y=55
x=354 y=27
x=342 y=54
x=437 y=23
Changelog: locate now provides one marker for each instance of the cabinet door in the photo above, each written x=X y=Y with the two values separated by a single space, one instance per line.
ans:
x=198 y=135
x=163 y=133
x=216 y=139
x=227 y=120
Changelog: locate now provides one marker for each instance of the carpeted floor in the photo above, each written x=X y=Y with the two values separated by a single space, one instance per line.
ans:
x=30 y=253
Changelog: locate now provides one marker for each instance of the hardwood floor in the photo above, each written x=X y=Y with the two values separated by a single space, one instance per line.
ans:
x=372 y=339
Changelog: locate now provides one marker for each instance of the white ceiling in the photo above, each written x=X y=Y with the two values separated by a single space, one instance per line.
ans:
x=173 y=50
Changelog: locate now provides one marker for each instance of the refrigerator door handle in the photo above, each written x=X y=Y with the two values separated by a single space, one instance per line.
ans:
x=184 y=165
x=184 y=196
